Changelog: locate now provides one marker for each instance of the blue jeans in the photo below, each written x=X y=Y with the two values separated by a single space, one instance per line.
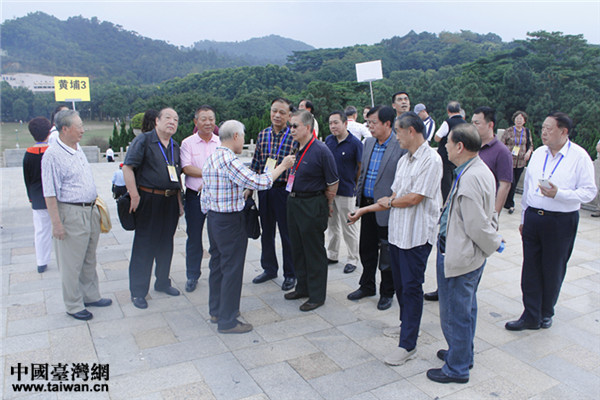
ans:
x=408 y=271
x=458 y=317
x=194 y=219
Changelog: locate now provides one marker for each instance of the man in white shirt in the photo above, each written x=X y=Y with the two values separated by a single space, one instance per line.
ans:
x=360 y=131
x=421 y=111
x=559 y=177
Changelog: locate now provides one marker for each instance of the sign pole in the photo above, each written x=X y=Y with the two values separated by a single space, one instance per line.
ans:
x=371 y=87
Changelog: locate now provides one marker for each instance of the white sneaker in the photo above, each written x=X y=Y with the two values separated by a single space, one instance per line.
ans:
x=393 y=332
x=399 y=356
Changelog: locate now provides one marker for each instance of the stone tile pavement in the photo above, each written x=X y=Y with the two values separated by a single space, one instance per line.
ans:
x=172 y=351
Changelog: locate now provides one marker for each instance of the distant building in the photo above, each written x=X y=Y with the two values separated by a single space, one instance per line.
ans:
x=33 y=82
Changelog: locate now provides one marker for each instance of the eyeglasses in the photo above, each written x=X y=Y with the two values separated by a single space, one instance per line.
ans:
x=295 y=126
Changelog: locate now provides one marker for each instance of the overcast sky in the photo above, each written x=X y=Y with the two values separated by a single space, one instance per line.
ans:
x=324 y=24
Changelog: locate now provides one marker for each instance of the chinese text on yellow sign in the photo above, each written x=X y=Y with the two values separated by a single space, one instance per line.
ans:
x=71 y=88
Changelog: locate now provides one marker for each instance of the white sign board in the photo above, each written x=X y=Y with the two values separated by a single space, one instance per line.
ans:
x=369 y=71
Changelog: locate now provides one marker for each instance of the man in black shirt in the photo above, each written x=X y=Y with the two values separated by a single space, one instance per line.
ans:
x=152 y=174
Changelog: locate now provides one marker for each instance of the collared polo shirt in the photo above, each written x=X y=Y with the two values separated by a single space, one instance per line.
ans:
x=194 y=152
x=498 y=159
x=149 y=158
x=419 y=173
x=347 y=155
x=67 y=175
x=374 y=163
x=317 y=170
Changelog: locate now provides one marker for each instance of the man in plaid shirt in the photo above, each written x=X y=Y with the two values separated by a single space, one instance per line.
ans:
x=272 y=145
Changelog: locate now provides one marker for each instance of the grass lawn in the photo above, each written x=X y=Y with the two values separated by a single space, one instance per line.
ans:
x=95 y=132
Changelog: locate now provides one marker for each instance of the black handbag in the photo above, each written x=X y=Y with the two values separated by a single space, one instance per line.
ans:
x=126 y=218
x=252 y=223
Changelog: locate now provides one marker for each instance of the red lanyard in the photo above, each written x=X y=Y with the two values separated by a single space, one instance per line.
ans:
x=303 y=154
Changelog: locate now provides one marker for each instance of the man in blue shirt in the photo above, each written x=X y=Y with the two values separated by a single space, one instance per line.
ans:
x=347 y=152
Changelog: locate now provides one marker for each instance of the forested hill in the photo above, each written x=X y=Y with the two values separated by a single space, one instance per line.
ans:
x=272 y=49
x=40 y=43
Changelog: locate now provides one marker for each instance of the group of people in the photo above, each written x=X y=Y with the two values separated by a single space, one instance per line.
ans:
x=409 y=198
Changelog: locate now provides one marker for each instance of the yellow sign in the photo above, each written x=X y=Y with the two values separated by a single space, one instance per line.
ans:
x=71 y=88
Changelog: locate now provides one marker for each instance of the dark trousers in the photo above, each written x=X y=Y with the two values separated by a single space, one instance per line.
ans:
x=374 y=250
x=548 y=242
x=118 y=191
x=228 y=244
x=446 y=183
x=155 y=222
x=307 y=223
x=510 y=199
x=408 y=269
x=272 y=210
x=194 y=218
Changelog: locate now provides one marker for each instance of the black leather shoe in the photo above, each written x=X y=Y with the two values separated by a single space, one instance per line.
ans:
x=190 y=285
x=99 y=303
x=359 y=294
x=263 y=278
x=520 y=325
x=139 y=302
x=546 y=322
x=437 y=375
x=294 y=295
x=431 y=296
x=171 y=291
x=288 y=284
x=349 y=268
x=83 y=315
x=330 y=261
x=441 y=354
x=384 y=303
x=308 y=306
x=42 y=268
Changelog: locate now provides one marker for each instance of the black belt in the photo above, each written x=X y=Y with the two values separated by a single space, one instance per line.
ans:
x=366 y=201
x=541 y=212
x=192 y=191
x=279 y=184
x=306 y=195
x=82 y=204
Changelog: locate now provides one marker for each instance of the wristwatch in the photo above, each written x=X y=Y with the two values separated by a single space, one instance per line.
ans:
x=390 y=203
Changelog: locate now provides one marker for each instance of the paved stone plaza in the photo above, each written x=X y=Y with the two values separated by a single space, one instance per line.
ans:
x=172 y=351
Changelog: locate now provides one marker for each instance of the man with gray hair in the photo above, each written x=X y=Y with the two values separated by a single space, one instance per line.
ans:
x=360 y=131
x=467 y=236
x=225 y=178
x=70 y=194
x=422 y=112
x=414 y=208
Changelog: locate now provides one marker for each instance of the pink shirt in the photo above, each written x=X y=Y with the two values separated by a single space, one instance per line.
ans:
x=195 y=151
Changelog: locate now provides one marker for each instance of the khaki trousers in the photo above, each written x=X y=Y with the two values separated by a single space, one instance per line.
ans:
x=338 y=227
x=76 y=255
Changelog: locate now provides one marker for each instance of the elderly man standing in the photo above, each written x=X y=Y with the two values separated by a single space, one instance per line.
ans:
x=225 y=178
x=467 y=237
x=152 y=175
x=559 y=177
x=414 y=209
x=195 y=149
x=347 y=152
x=272 y=145
x=313 y=184
x=70 y=194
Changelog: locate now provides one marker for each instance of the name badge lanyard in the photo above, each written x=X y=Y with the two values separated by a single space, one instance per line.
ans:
x=294 y=169
x=164 y=155
x=556 y=166
x=521 y=138
x=280 y=144
x=170 y=168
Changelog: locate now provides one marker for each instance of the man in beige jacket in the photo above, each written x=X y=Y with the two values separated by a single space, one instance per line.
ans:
x=467 y=237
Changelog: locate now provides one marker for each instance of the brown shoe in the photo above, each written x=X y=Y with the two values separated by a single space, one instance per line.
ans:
x=294 y=295
x=239 y=328
x=308 y=306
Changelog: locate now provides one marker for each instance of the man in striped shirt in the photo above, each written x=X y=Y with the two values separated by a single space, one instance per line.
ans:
x=414 y=210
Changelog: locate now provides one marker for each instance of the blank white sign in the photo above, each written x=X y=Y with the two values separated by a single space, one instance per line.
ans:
x=369 y=71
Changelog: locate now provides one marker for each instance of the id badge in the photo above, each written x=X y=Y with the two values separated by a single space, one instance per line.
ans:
x=290 y=183
x=270 y=165
x=172 y=173
x=515 y=151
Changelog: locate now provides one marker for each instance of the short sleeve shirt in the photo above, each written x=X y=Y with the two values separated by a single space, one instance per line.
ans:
x=498 y=159
x=317 y=170
x=347 y=155
x=149 y=158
